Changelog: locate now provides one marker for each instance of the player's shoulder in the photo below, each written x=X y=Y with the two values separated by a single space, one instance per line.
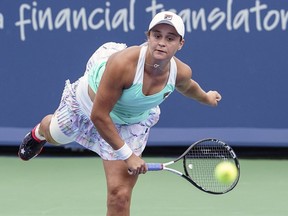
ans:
x=127 y=56
x=129 y=53
x=122 y=65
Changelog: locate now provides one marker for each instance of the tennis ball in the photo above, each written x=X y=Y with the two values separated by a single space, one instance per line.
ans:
x=226 y=172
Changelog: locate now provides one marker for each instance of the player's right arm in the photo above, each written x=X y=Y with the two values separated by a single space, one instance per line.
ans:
x=109 y=91
x=117 y=76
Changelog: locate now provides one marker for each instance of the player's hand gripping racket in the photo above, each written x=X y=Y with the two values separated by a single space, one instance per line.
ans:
x=199 y=163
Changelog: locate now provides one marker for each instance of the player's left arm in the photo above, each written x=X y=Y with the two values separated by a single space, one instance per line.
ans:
x=190 y=88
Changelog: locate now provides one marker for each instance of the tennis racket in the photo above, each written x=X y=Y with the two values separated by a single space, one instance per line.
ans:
x=199 y=162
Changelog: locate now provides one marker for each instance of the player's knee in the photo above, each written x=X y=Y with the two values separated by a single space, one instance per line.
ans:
x=53 y=132
x=119 y=200
x=45 y=129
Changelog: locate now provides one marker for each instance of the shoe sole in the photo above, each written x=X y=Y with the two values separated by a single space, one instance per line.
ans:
x=19 y=155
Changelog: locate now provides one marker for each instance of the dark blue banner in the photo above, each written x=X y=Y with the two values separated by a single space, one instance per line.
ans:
x=238 y=47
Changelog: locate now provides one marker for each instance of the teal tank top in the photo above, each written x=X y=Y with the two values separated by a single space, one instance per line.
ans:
x=133 y=106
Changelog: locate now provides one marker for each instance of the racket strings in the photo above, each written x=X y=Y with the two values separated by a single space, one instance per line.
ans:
x=200 y=163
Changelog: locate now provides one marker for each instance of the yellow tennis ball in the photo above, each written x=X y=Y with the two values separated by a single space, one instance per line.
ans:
x=226 y=172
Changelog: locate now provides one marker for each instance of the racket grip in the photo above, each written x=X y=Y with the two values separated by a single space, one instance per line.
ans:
x=154 y=166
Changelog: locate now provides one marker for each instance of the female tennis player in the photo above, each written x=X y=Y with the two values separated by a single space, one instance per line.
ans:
x=112 y=107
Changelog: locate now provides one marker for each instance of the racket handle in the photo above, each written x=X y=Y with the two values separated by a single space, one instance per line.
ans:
x=154 y=166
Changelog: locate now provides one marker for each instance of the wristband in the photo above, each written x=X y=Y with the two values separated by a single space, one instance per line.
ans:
x=124 y=152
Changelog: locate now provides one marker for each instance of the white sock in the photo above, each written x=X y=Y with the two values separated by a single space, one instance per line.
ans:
x=37 y=134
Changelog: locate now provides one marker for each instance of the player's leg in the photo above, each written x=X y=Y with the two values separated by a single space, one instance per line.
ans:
x=44 y=129
x=119 y=188
x=47 y=130
x=52 y=127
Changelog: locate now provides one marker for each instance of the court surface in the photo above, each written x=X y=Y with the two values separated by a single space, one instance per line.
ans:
x=60 y=186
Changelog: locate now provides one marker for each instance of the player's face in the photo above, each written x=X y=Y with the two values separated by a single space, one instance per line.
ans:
x=164 y=41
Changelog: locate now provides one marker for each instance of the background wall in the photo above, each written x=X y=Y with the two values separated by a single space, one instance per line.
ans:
x=238 y=47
